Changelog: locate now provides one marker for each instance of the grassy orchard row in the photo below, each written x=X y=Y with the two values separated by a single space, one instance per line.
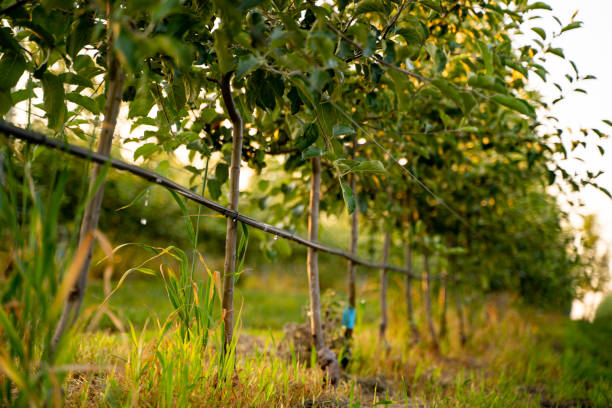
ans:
x=233 y=216
x=442 y=84
x=195 y=317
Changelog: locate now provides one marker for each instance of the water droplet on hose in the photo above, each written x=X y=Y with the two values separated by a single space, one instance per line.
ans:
x=275 y=237
x=143 y=221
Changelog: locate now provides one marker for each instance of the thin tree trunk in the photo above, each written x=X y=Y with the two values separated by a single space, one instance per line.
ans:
x=326 y=358
x=351 y=265
x=229 y=267
x=416 y=337
x=384 y=313
x=443 y=304
x=427 y=294
x=460 y=316
x=89 y=223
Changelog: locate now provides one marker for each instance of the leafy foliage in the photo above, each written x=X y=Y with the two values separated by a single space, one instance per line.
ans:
x=436 y=85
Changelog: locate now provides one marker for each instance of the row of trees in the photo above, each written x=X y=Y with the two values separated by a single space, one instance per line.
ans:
x=411 y=116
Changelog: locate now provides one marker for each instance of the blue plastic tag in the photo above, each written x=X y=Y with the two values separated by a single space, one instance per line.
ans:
x=348 y=317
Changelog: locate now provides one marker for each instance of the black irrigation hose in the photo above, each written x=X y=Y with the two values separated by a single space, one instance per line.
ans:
x=151 y=176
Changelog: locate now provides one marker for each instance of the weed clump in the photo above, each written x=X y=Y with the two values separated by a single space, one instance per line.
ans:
x=297 y=342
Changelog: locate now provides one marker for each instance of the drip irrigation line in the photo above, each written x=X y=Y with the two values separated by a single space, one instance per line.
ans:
x=156 y=178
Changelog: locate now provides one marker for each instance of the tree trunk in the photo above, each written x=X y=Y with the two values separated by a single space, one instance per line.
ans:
x=460 y=316
x=326 y=358
x=351 y=265
x=443 y=304
x=416 y=337
x=427 y=294
x=114 y=87
x=383 y=292
x=229 y=267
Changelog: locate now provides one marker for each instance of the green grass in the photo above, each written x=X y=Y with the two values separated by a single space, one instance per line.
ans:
x=519 y=358
x=142 y=299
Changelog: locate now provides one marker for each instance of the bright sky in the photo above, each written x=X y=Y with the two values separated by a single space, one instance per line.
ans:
x=587 y=47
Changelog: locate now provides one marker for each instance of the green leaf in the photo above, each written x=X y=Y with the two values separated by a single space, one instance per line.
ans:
x=412 y=29
x=146 y=150
x=599 y=133
x=276 y=83
x=371 y=166
x=551 y=177
x=128 y=48
x=515 y=65
x=75 y=79
x=607 y=122
x=449 y=91
x=222 y=172
x=572 y=26
x=539 y=31
x=434 y=5
x=242 y=249
x=178 y=93
x=262 y=185
x=369 y=6
x=437 y=55
x=224 y=57
x=294 y=98
x=188 y=224
x=488 y=82
x=142 y=103
x=163 y=8
x=142 y=121
x=341 y=129
x=135 y=200
x=487 y=57
x=516 y=104
x=344 y=166
x=468 y=102
x=605 y=191
x=246 y=65
x=310 y=152
x=21 y=95
x=83 y=101
x=6 y=102
x=349 y=197
x=259 y=90
x=278 y=38
x=53 y=100
x=8 y=41
x=80 y=35
x=214 y=188
x=538 y=5
x=12 y=66
x=311 y=134
x=318 y=79
x=557 y=51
